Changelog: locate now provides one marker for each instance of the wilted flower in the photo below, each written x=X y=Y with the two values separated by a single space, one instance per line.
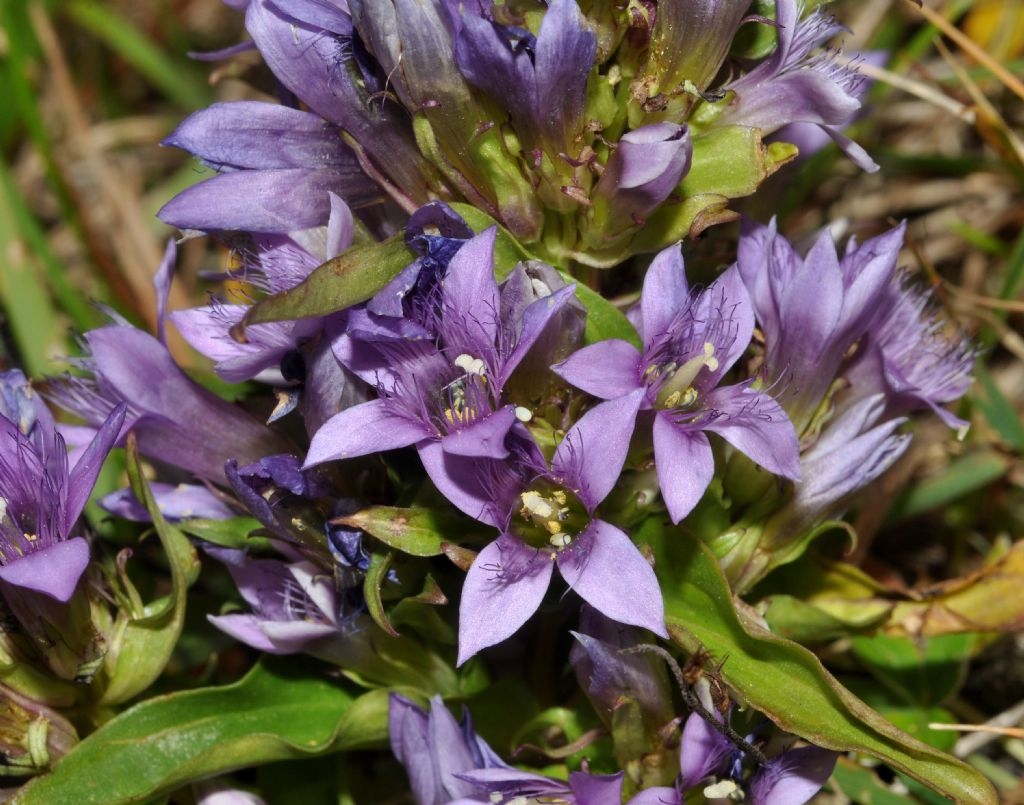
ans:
x=32 y=735
x=691 y=340
x=449 y=764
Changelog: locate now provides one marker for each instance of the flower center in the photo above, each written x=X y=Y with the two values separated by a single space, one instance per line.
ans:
x=549 y=517
x=465 y=399
x=675 y=389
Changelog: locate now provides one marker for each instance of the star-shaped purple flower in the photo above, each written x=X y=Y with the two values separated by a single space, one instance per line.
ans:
x=445 y=397
x=546 y=516
x=690 y=340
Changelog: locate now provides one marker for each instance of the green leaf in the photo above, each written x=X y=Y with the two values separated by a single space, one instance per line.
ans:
x=280 y=710
x=862 y=786
x=143 y=644
x=963 y=476
x=924 y=671
x=231 y=533
x=507 y=250
x=350 y=278
x=784 y=680
x=375 y=577
x=604 y=320
x=416 y=531
x=998 y=410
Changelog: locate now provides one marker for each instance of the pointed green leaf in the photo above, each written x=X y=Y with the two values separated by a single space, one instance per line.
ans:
x=350 y=278
x=416 y=531
x=784 y=680
x=283 y=708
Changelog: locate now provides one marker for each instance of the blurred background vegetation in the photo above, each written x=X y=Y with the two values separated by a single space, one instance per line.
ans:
x=88 y=89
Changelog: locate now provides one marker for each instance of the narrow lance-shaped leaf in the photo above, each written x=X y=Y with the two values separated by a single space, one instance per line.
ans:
x=348 y=279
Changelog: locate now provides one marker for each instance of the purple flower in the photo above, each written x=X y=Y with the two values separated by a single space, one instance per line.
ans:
x=546 y=516
x=42 y=493
x=449 y=397
x=176 y=420
x=813 y=310
x=799 y=85
x=294 y=605
x=541 y=80
x=690 y=341
x=646 y=166
x=181 y=502
x=449 y=764
x=708 y=757
x=908 y=357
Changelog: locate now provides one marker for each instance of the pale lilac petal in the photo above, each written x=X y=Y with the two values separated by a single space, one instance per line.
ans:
x=591 y=455
x=485 y=438
x=535 y=319
x=657 y=796
x=162 y=284
x=503 y=588
x=251 y=134
x=596 y=788
x=458 y=478
x=264 y=200
x=793 y=777
x=361 y=430
x=292 y=637
x=684 y=463
x=53 y=570
x=407 y=730
x=730 y=296
x=608 y=572
x=665 y=292
x=245 y=629
x=608 y=369
x=88 y=464
x=180 y=502
x=471 y=301
x=340 y=227
x=703 y=751
x=755 y=424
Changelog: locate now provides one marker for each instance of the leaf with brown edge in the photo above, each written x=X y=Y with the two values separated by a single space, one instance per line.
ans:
x=784 y=680
x=348 y=279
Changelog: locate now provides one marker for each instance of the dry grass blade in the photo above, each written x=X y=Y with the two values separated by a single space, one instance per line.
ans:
x=970 y=47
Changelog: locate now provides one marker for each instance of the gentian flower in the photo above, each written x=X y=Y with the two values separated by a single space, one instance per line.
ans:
x=42 y=493
x=541 y=80
x=708 y=757
x=175 y=419
x=547 y=517
x=181 y=502
x=449 y=764
x=448 y=399
x=907 y=357
x=797 y=84
x=813 y=310
x=690 y=341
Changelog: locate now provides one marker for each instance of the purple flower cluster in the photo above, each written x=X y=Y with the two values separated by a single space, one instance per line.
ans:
x=570 y=127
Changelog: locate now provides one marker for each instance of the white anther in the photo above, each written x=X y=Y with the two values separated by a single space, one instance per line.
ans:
x=560 y=540
x=496 y=797
x=537 y=505
x=523 y=414
x=3 y=508
x=723 y=788
x=470 y=365
x=540 y=287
